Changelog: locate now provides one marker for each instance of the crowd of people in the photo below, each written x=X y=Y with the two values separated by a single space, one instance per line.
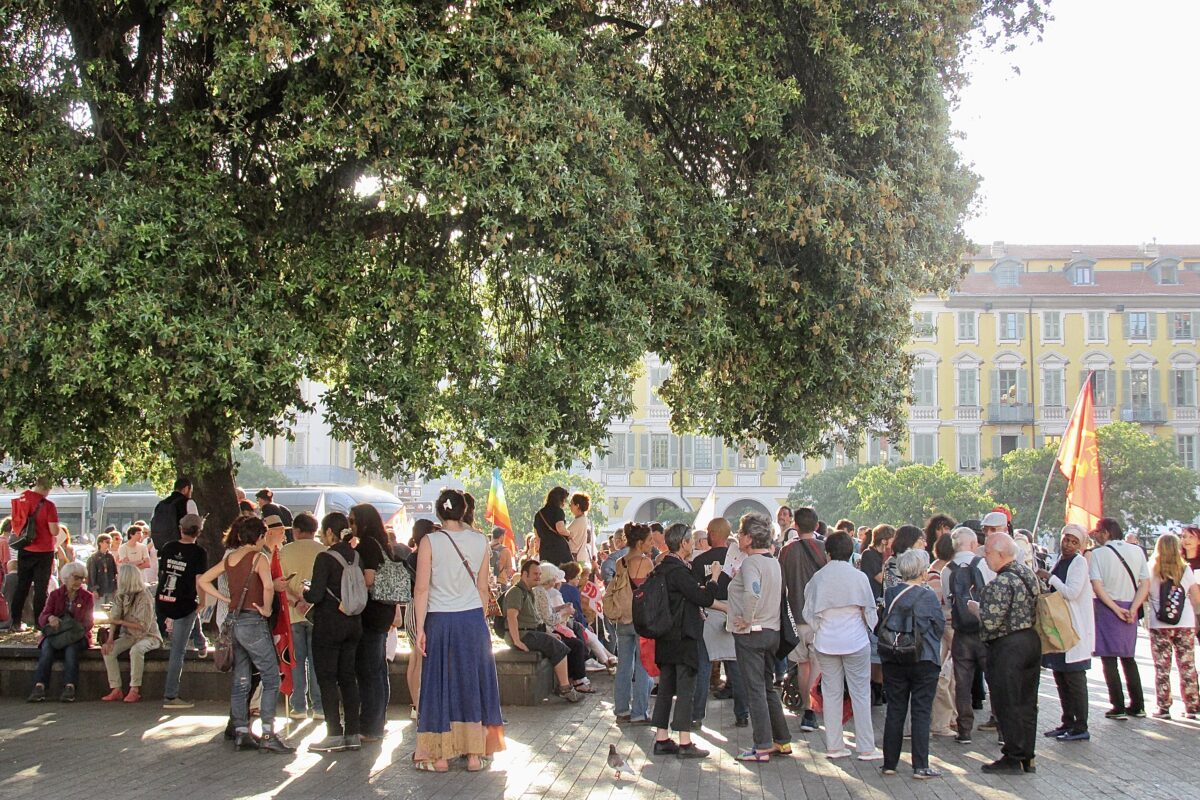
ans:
x=932 y=622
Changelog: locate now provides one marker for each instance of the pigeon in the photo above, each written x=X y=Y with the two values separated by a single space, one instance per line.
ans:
x=618 y=763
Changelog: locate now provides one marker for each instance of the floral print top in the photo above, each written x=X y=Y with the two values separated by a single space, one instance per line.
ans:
x=1009 y=602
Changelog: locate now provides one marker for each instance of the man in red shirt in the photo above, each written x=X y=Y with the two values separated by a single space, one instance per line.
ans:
x=35 y=560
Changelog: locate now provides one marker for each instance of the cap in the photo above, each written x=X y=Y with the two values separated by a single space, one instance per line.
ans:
x=995 y=519
x=273 y=521
x=191 y=521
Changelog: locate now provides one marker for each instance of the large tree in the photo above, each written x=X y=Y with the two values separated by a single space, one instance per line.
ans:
x=1143 y=481
x=911 y=493
x=470 y=220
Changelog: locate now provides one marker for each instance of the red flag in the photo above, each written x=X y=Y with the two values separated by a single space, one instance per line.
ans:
x=282 y=631
x=1079 y=462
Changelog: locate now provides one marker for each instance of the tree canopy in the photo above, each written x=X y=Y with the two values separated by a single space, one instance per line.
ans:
x=470 y=221
x=911 y=493
x=1144 y=483
x=831 y=492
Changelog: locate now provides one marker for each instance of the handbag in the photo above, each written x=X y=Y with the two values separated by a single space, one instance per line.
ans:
x=788 y=637
x=68 y=632
x=223 y=652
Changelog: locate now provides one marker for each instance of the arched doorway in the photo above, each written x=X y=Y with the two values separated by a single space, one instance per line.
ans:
x=657 y=510
x=735 y=510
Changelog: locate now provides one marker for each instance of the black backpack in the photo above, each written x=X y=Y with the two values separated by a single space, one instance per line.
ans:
x=966 y=583
x=164 y=525
x=1171 y=599
x=652 y=617
x=500 y=621
x=899 y=640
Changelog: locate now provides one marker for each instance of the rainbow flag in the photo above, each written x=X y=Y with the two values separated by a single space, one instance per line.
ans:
x=497 y=511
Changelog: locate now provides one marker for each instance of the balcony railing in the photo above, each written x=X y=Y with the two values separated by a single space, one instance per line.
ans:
x=1104 y=415
x=923 y=414
x=1054 y=413
x=1150 y=413
x=1186 y=415
x=968 y=413
x=1010 y=412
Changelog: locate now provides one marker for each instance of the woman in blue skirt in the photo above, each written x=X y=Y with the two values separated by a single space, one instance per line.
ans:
x=459 y=712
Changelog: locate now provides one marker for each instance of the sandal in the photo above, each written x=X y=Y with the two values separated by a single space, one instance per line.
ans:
x=757 y=756
x=585 y=690
x=429 y=766
x=484 y=763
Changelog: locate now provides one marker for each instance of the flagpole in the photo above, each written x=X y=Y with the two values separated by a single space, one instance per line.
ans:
x=1054 y=464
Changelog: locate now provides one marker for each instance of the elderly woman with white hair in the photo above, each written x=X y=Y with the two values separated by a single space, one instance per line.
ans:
x=1070 y=578
x=913 y=608
x=554 y=614
x=66 y=624
x=557 y=611
x=132 y=613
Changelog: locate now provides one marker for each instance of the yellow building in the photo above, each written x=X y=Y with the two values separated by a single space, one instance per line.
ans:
x=999 y=363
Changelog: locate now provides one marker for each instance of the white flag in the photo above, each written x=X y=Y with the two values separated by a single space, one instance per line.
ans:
x=708 y=509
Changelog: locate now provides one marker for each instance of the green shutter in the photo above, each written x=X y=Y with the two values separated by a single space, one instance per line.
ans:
x=1155 y=378
x=689 y=446
x=995 y=447
x=1125 y=323
x=1172 y=388
x=994 y=380
x=1153 y=326
x=644 y=450
x=672 y=451
x=1022 y=386
x=1126 y=388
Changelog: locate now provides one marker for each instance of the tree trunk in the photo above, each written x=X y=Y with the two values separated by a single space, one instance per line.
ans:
x=202 y=453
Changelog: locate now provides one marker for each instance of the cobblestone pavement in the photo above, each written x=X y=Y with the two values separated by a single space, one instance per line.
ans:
x=91 y=749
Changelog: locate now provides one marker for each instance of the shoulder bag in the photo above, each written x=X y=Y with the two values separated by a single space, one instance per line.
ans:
x=493 y=607
x=223 y=654
x=1141 y=610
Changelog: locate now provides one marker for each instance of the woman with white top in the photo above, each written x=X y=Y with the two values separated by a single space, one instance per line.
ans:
x=840 y=606
x=1070 y=578
x=459 y=711
x=1173 y=626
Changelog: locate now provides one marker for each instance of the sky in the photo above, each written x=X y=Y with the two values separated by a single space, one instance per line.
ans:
x=1097 y=140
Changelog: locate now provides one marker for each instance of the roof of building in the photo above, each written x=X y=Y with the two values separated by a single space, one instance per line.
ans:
x=1107 y=282
x=1066 y=252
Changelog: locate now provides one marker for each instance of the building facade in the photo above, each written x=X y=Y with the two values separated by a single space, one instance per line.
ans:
x=999 y=363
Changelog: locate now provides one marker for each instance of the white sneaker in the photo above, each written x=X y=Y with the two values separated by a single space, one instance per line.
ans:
x=874 y=755
x=298 y=714
x=593 y=665
x=838 y=754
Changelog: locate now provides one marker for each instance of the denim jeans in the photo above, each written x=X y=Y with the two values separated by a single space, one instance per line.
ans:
x=700 y=695
x=374 y=682
x=178 y=645
x=908 y=686
x=253 y=645
x=70 y=657
x=304 y=674
x=631 y=694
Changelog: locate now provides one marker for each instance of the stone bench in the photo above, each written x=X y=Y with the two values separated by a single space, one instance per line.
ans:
x=526 y=679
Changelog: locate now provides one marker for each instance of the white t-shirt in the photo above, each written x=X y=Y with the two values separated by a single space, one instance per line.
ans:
x=1106 y=567
x=133 y=553
x=579 y=529
x=1188 y=620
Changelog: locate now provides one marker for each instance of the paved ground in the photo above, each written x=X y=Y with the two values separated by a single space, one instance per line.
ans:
x=93 y=750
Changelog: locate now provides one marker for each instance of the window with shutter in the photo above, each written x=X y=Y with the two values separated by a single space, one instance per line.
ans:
x=1185 y=446
x=1183 y=325
x=1052 y=386
x=644 y=450
x=1010 y=326
x=689 y=446
x=966 y=326
x=968 y=452
x=1051 y=326
x=968 y=386
x=660 y=451
x=924 y=386
x=1097 y=326
x=1137 y=326
x=924 y=448
x=630 y=451
x=1183 y=388
x=703 y=453
x=793 y=463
